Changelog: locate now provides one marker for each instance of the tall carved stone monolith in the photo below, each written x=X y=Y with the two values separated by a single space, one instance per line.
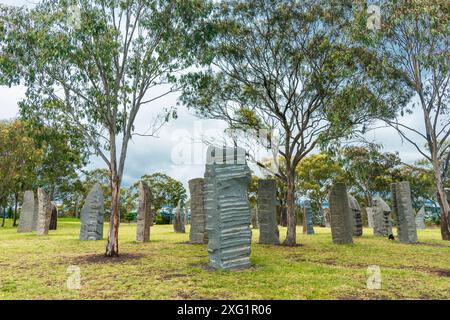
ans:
x=144 y=216
x=227 y=178
x=406 y=224
x=356 y=216
x=92 y=215
x=382 y=223
x=28 y=214
x=54 y=218
x=308 y=227
x=178 y=220
x=44 y=213
x=341 y=221
x=420 y=219
x=267 y=212
x=197 y=233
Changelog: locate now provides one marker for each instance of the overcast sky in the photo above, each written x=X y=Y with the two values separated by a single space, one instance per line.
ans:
x=174 y=145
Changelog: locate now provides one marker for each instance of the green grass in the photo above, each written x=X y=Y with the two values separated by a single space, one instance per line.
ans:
x=35 y=267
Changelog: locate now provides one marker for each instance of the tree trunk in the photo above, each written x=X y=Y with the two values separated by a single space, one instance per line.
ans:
x=112 y=247
x=16 y=200
x=4 y=217
x=445 y=232
x=290 y=204
x=443 y=201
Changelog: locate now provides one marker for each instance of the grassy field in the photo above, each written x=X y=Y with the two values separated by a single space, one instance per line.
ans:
x=35 y=267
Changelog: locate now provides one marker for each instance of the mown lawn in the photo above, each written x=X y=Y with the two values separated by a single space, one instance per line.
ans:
x=35 y=267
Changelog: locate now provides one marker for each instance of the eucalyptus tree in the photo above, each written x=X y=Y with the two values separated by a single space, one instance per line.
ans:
x=414 y=36
x=290 y=67
x=94 y=64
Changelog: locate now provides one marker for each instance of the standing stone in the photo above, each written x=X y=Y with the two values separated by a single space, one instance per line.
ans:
x=227 y=178
x=198 y=233
x=382 y=223
x=420 y=219
x=178 y=221
x=406 y=224
x=144 y=215
x=267 y=212
x=341 y=221
x=369 y=211
x=356 y=216
x=326 y=217
x=92 y=215
x=44 y=213
x=28 y=214
x=54 y=218
x=307 y=218
x=255 y=217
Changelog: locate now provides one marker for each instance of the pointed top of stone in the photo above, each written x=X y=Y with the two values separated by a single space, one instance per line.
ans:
x=378 y=201
x=353 y=203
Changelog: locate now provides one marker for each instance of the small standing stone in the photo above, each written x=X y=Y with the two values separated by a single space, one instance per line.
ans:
x=92 y=215
x=341 y=223
x=308 y=227
x=406 y=224
x=44 y=213
x=420 y=219
x=267 y=209
x=144 y=215
x=382 y=223
x=178 y=221
x=28 y=214
x=54 y=218
x=197 y=233
x=356 y=216
x=326 y=217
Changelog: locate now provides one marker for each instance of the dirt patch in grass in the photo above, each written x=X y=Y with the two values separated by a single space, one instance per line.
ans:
x=100 y=258
x=438 y=245
x=170 y=276
x=441 y=272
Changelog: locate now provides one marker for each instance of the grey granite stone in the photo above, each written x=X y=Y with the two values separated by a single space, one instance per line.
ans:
x=44 y=213
x=420 y=219
x=356 y=216
x=227 y=178
x=308 y=227
x=267 y=212
x=382 y=223
x=341 y=223
x=92 y=215
x=326 y=217
x=144 y=216
x=406 y=224
x=179 y=219
x=28 y=214
x=197 y=233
